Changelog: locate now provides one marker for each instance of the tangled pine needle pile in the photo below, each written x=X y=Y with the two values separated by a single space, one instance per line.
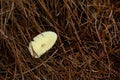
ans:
x=87 y=48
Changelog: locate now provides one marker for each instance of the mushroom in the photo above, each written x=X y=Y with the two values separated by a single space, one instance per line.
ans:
x=42 y=43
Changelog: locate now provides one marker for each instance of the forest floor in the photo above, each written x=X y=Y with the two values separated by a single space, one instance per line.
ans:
x=87 y=48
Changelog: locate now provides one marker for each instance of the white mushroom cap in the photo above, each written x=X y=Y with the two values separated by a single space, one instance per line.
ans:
x=42 y=43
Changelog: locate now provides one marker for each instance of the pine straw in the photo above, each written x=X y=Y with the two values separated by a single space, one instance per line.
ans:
x=88 y=45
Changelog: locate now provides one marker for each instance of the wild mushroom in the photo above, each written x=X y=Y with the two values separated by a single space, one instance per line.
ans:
x=42 y=43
